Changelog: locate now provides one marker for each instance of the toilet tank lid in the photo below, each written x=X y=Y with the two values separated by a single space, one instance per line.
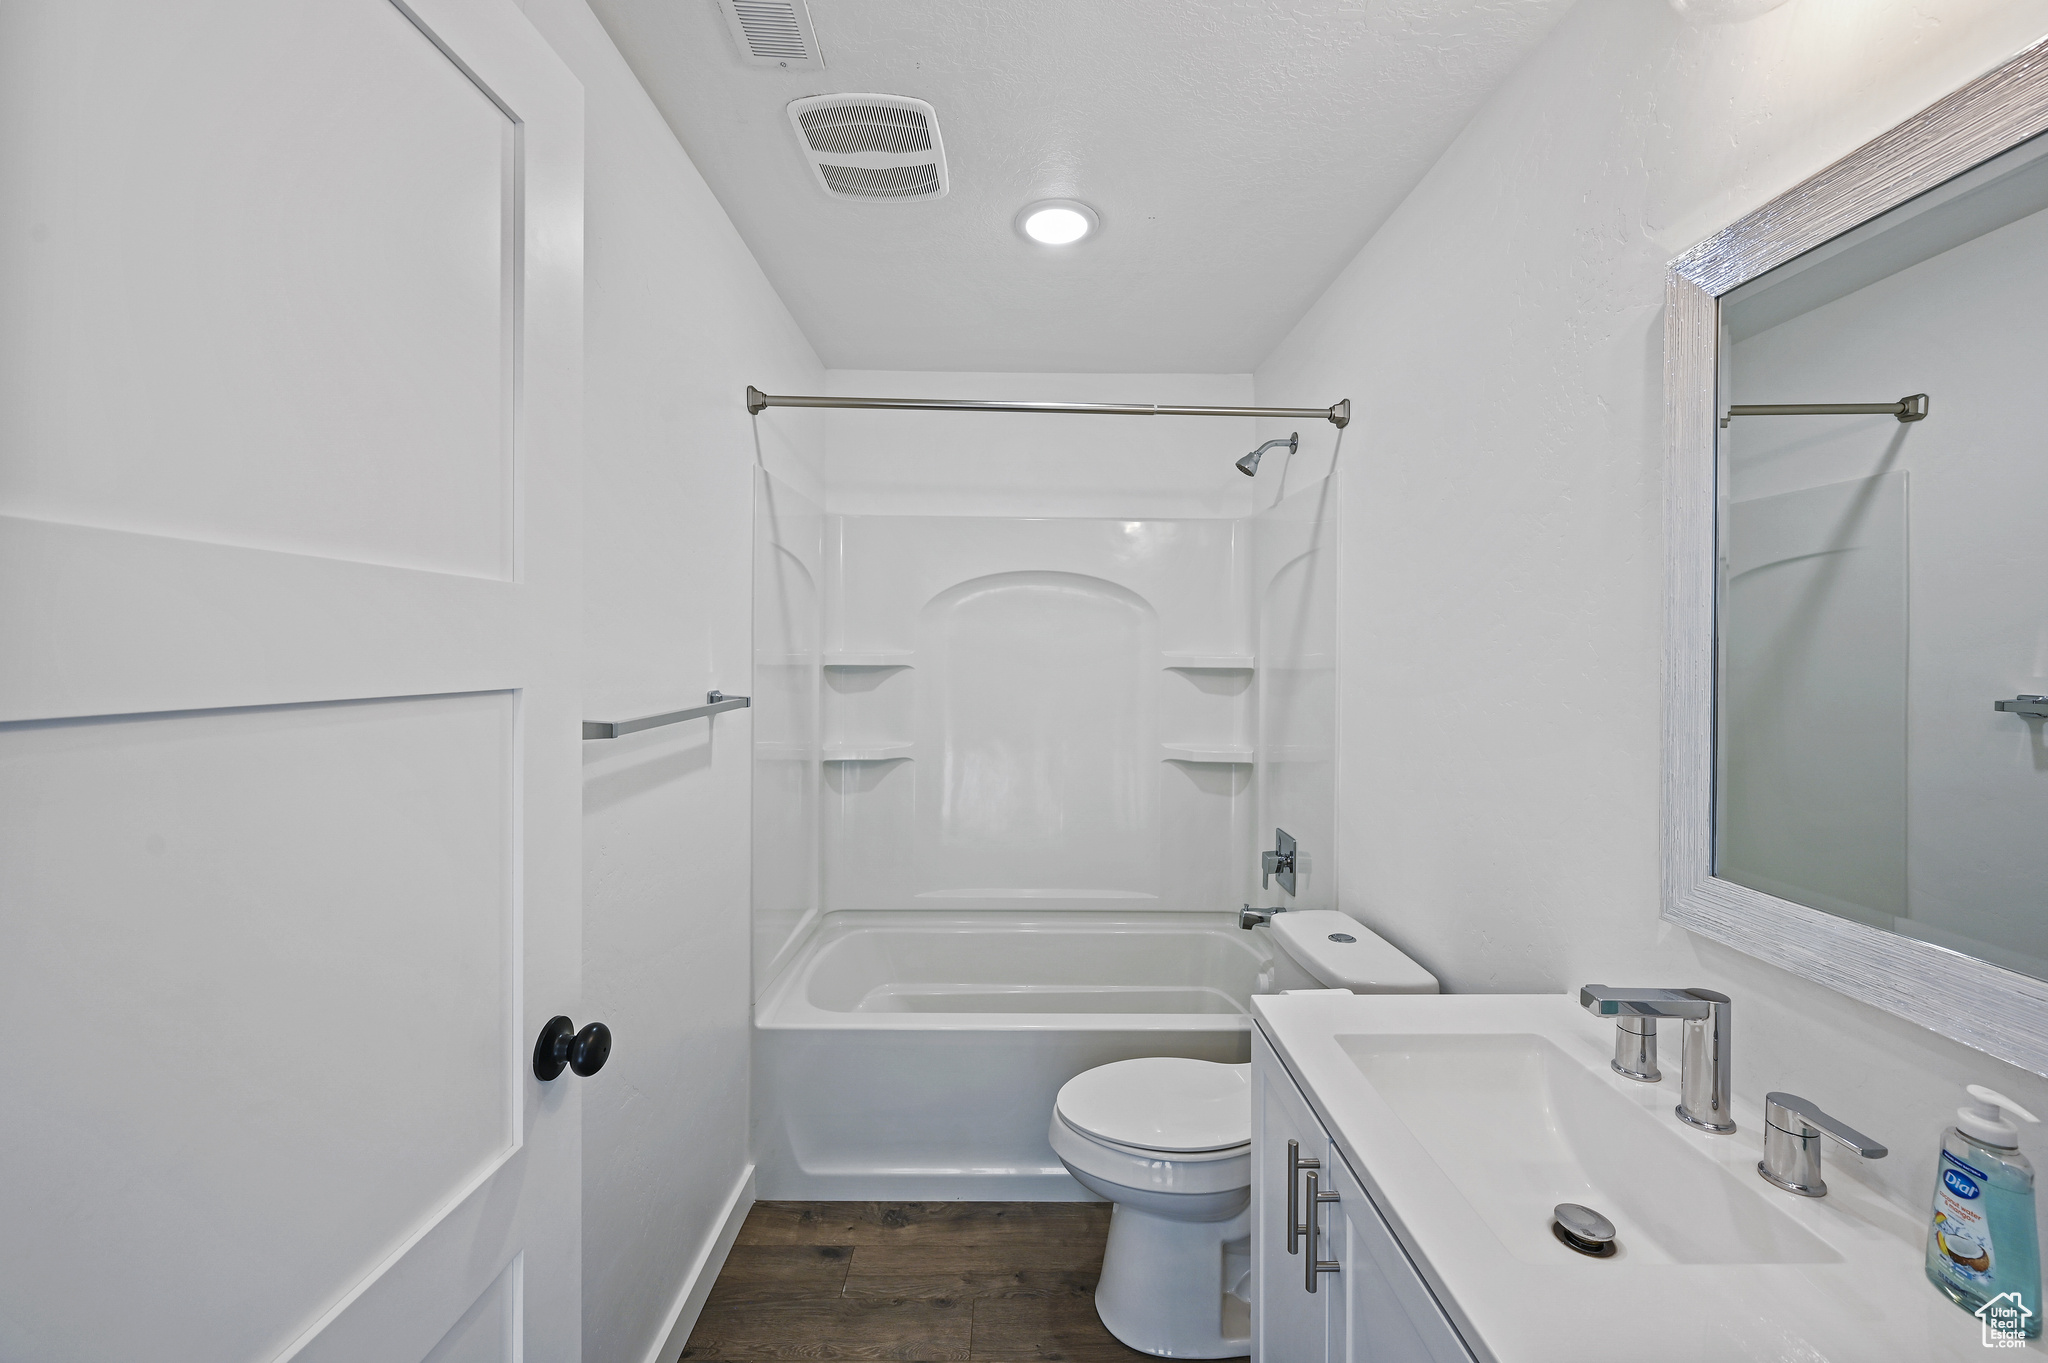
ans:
x=1164 y=1103
x=1368 y=964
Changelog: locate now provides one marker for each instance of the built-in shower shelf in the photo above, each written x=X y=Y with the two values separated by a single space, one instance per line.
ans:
x=1209 y=662
x=876 y=657
x=1236 y=754
x=867 y=752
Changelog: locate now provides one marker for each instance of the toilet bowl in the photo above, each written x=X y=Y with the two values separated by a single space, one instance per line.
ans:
x=1168 y=1141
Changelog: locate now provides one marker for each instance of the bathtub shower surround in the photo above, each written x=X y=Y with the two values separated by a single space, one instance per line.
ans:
x=1069 y=712
x=1036 y=710
x=1294 y=564
x=916 y=1055
x=789 y=568
x=1045 y=752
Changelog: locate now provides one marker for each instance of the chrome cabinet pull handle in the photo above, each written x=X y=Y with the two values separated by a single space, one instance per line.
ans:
x=1296 y=1228
x=1312 y=1265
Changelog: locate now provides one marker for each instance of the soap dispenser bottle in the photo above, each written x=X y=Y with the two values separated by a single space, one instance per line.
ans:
x=1982 y=1244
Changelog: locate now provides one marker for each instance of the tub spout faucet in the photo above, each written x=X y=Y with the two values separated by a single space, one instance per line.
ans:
x=1705 y=1081
x=1249 y=917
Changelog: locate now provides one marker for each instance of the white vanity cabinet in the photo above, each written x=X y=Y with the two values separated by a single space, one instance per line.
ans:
x=1373 y=1307
x=1289 y=1324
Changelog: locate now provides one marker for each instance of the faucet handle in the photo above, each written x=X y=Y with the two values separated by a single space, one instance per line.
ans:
x=1793 y=1127
x=1607 y=1001
x=1791 y=1113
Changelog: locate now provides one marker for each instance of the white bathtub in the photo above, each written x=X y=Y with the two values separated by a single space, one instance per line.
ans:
x=915 y=1056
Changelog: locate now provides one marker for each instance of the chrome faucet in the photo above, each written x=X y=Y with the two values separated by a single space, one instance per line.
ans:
x=1792 y=1131
x=1705 y=1079
x=1249 y=917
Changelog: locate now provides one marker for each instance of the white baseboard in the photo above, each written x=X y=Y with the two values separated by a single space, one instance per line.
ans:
x=774 y=1183
x=682 y=1317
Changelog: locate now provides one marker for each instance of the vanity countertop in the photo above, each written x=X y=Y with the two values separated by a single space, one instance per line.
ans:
x=1469 y=1116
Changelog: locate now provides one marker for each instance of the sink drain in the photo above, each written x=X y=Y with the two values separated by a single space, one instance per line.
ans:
x=1583 y=1230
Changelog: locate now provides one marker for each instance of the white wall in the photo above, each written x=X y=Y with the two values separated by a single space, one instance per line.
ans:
x=1502 y=335
x=678 y=321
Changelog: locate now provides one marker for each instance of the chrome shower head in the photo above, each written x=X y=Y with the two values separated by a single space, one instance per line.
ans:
x=1249 y=465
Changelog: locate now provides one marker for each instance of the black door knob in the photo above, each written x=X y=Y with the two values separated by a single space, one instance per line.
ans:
x=561 y=1044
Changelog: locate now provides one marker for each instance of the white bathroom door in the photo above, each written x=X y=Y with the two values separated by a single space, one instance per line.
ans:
x=289 y=796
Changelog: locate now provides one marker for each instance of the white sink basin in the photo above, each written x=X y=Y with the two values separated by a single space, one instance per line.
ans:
x=1468 y=1117
x=1518 y=1127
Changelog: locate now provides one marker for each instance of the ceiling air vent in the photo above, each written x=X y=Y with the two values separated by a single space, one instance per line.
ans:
x=773 y=33
x=872 y=146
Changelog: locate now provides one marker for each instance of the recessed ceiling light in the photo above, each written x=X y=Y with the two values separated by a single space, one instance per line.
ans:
x=1057 y=222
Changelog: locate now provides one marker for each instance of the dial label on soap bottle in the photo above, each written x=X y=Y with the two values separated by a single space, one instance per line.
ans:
x=1961 y=1232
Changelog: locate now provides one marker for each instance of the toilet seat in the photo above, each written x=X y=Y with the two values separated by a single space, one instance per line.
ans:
x=1161 y=1105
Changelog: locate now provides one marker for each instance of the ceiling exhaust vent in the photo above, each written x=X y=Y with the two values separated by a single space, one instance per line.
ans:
x=773 y=33
x=872 y=146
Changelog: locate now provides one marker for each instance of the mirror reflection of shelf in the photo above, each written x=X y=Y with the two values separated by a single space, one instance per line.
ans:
x=1233 y=754
x=1209 y=662
x=873 y=657
x=867 y=752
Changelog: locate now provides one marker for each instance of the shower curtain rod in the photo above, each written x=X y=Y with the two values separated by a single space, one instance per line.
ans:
x=1338 y=416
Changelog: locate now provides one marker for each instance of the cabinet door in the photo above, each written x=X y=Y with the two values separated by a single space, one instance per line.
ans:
x=1386 y=1313
x=1289 y=1324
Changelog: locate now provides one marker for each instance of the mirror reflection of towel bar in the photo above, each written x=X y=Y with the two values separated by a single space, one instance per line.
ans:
x=1912 y=408
x=715 y=701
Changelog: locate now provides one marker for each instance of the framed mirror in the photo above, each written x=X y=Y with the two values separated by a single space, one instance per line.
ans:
x=1856 y=771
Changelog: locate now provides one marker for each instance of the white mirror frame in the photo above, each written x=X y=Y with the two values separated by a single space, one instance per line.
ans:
x=1997 y=1011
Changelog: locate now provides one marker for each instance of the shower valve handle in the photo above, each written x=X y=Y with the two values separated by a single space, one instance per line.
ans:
x=1279 y=862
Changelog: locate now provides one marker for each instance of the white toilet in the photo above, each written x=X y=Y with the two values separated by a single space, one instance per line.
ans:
x=1168 y=1140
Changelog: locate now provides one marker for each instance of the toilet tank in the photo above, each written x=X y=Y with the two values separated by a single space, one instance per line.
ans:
x=1342 y=953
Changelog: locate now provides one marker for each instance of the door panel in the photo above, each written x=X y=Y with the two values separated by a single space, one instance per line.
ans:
x=489 y=1331
x=302 y=913
x=1389 y=1314
x=1289 y=1323
x=289 y=798
x=235 y=221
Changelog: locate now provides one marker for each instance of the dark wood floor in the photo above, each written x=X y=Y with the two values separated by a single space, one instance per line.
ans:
x=1005 y=1282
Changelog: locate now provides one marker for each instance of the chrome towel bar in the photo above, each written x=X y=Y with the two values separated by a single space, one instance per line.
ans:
x=714 y=702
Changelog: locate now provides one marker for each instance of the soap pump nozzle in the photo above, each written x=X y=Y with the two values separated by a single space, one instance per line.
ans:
x=1985 y=1120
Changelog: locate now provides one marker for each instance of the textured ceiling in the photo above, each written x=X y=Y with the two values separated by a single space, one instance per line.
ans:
x=1239 y=152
